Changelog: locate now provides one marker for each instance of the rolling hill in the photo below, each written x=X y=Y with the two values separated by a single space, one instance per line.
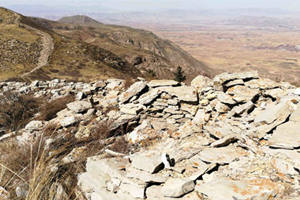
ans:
x=80 y=48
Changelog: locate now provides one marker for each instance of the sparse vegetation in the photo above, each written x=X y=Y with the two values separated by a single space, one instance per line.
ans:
x=179 y=75
x=49 y=109
x=17 y=110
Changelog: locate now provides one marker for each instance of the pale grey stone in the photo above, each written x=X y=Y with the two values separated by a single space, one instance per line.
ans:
x=286 y=136
x=225 y=98
x=132 y=91
x=201 y=82
x=176 y=187
x=34 y=125
x=162 y=83
x=79 y=106
x=222 y=155
x=148 y=161
x=149 y=97
x=220 y=189
x=184 y=93
x=131 y=109
x=295 y=116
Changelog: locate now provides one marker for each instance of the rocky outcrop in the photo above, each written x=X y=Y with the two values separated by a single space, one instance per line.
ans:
x=231 y=137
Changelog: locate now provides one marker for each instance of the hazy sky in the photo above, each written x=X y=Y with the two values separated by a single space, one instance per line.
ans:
x=161 y=4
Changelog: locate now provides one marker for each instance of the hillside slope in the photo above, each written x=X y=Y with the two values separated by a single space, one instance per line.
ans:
x=84 y=49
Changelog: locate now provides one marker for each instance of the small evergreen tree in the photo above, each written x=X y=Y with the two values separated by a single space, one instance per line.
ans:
x=179 y=75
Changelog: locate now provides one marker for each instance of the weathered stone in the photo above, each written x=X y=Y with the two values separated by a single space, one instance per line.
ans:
x=225 y=98
x=148 y=161
x=131 y=109
x=113 y=185
x=243 y=94
x=34 y=125
x=234 y=83
x=191 y=109
x=226 y=140
x=221 y=108
x=132 y=188
x=295 y=116
x=99 y=84
x=68 y=121
x=175 y=187
x=263 y=84
x=204 y=102
x=201 y=117
x=275 y=93
x=286 y=136
x=79 y=106
x=224 y=78
x=262 y=189
x=184 y=93
x=99 y=173
x=149 y=97
x=284 y=167
x=274 y=112
x=122 y=120
x=83 y=133
x=162 y=83
x=238 y=110
x=115 y=84
x=222 y=155
x=79 y=96
x=132 y=91
x=144 y=176
x=297 y=91
x=201 y=82
x=142 y=132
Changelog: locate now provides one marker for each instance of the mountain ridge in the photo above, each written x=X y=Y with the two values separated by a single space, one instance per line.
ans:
x=86 y=52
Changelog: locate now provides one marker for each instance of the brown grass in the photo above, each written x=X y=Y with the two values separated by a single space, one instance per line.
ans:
x=39 y=167
x=17 y=110
x=48 y=111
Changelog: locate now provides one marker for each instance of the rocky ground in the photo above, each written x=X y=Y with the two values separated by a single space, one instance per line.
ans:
x=232 y=137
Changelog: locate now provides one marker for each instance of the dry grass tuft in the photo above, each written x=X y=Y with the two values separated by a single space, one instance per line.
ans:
x=17 y=110
x=48 y=111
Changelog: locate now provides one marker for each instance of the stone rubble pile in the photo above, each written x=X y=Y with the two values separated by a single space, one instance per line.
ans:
x=232 y=137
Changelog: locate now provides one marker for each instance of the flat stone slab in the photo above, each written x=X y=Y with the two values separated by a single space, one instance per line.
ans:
x=223 y=188
x=147 y=161
x=201 y=82
x=295 y=116
x=79 y=106
x=225 y=98
x=222 y=155
x=274 y=112
x=133 y=90
x=162 y=83
x=184 y=93
x=242 y=93
x=286 y=136
x=149 y=97
x=176 y=187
